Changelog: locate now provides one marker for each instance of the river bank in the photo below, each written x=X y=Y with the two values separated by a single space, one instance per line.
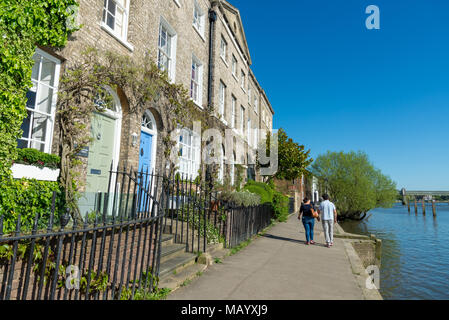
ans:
x=414 y=260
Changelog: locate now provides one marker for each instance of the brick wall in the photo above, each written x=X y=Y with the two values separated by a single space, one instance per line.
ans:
x=132 y=246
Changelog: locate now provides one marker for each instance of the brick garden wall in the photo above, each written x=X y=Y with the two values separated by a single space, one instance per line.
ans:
x=122 y=265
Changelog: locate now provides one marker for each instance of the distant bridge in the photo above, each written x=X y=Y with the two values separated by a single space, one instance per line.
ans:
x=413 y=193
x=405 y=193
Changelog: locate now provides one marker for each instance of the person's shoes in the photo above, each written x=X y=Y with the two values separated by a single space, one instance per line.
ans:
x=312 y=242
x=332 y=244
x=307 y=243
x=328 y=245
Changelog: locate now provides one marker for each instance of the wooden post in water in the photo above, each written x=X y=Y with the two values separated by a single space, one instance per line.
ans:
x=416 y=207
x=434 y=209
x=423 y=206
x=408 y=205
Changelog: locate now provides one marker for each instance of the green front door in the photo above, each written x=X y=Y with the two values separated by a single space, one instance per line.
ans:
x=101 y=153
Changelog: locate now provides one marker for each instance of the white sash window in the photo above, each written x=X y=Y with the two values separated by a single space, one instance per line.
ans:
x=189 y=153
x=196 y=86
x=115 y=17
x=41 y=105
x=221 y=109
x=166 y=58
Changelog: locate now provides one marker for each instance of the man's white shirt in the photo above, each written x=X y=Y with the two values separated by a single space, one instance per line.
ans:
x=327 y=210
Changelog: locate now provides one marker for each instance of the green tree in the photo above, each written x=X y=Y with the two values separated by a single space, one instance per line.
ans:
x=293 y=160
x=353 y=183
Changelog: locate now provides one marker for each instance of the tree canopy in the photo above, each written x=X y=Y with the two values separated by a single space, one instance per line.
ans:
x=293 y=159
x=353 y=183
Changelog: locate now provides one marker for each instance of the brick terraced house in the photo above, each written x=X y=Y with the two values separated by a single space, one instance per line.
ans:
x=200 y=43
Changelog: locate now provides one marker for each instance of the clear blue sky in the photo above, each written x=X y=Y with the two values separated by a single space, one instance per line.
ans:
x=334 y=85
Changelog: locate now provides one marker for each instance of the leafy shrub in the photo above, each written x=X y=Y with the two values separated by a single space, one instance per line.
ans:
x=28 y=198
x=196 y=221
x=268 y=194
x=37 y=158
x=280 y=206
x=260 y=188
x=242 y=198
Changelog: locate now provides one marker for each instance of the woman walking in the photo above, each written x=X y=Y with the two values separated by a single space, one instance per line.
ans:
x=308 y=219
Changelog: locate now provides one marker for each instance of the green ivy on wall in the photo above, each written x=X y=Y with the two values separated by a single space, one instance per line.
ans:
x=28 y=197
x=24 y=24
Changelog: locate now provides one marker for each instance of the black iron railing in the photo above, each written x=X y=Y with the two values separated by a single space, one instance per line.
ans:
x=114 y=252
x=245 y=222
x=110 y=254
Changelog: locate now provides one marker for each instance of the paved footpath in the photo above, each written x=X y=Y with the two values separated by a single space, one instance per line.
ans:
x=278 y=265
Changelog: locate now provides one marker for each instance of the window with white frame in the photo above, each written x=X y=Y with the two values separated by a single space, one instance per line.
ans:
x=232 y=173
x=248 y=131
x=196 y=81
x=242 y=119
x=167 y=49
x=256 y=136
x=222 y=163
x=234 y=66
x=115 y=17
x=222 y=89
x=189 y=153
x=242 y=80
x=223 y=48
x=41 y=104
x=233 y=107
x=256 y=104
x=198 y=18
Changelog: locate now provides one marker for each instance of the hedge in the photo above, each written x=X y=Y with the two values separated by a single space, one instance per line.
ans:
x=260 y=188
x=268 y=194
x=28 y=197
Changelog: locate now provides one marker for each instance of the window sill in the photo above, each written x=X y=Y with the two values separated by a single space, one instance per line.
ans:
x=199 y=33
x=224 y=61
x=125 y=43
x=198 y=104
x=222 y=119
x=177 y=3
x=235 y=78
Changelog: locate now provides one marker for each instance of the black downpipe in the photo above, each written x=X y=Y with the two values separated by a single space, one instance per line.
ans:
x=212 y=19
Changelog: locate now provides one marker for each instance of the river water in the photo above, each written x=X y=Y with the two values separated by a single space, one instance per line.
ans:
x=415 y=250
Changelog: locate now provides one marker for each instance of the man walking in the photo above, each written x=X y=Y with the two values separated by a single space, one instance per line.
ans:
x=329 y=216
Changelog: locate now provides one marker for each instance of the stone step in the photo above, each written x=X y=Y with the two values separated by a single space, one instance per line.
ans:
x=174 y=281
x=167 y=238
x=170 y=250
x=176 y=263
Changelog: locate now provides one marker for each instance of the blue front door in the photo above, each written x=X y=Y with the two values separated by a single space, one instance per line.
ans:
x=146 y=141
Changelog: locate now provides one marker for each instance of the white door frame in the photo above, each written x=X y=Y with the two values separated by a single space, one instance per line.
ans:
x=153 y=133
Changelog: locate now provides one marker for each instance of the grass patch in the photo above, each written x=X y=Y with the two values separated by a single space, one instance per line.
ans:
x=199 y=274
x=186 y=282
x=242 y=245
x=217 y=260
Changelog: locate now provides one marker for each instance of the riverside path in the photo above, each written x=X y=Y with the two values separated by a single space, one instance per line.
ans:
x=278 y=265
